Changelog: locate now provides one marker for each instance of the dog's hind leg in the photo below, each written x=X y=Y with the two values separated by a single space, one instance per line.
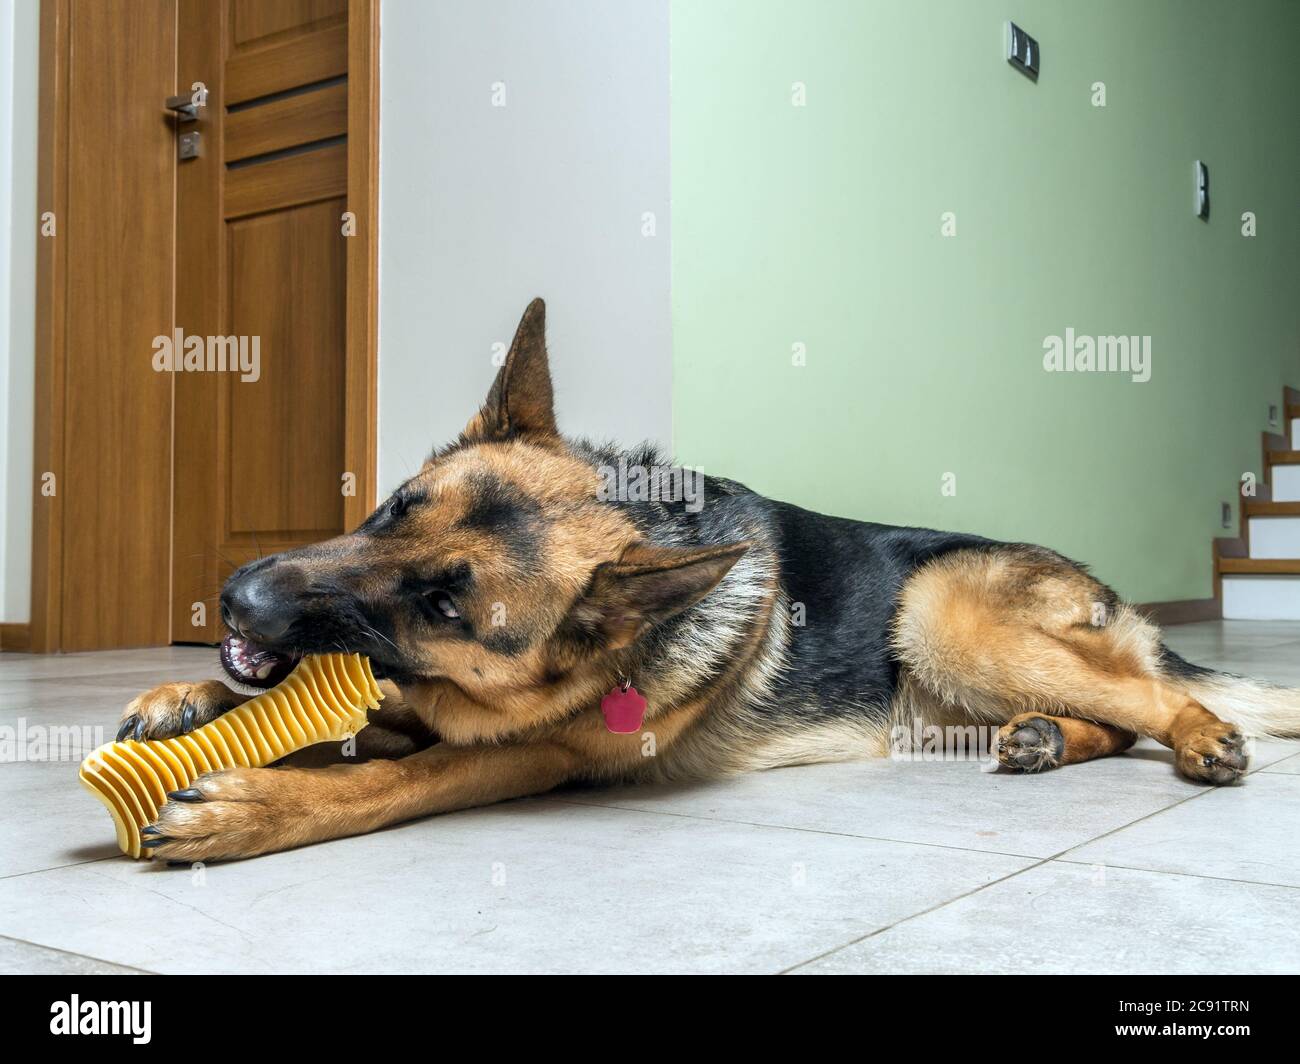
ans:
x=1031 y=742
x=1017 y=630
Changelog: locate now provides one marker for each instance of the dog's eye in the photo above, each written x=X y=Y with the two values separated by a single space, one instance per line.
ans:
x=397 y=507
x=442 y=602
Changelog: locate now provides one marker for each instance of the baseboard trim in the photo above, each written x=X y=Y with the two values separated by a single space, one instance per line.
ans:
x=1181 y=611
x=16 y=637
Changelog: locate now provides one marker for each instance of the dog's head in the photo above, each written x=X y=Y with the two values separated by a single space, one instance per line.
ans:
x=497 y=566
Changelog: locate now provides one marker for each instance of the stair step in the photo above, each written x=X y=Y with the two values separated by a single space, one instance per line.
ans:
x=1265 y=585
x=1272 y=509
x=1260 y=597
x=1285 y=483
x=1260 y=566
x=1274 y=536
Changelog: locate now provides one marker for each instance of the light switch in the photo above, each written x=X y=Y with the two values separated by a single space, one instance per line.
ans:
x=1022 y=51
x=1202 y=190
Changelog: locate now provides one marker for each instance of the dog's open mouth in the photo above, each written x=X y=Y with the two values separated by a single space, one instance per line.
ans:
x=253 y=664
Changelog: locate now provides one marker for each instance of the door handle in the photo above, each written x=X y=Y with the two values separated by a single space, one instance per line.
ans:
x=186 y=109
x=183 y=106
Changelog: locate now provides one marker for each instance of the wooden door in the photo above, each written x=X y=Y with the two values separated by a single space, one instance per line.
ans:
x=110 y=472
x=261 y=245
x=261 y=256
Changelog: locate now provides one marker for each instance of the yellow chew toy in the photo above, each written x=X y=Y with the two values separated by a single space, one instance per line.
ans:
x=324 y=699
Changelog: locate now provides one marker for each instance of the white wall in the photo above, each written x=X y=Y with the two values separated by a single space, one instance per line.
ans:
x=19 y=45
x=483 y=207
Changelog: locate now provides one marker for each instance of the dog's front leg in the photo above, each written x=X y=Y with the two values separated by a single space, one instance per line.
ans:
x=244 y=812
x=176 y=708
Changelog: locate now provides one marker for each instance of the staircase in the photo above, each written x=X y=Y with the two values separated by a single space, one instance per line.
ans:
x=1257 y=574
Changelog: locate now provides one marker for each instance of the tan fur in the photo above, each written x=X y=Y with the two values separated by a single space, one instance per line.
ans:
x=1000 y=633
x=246 y=812
x=1007 y=635
x=157 y=714
x=1021 y=744
x=1255 y=707
x=981 y=636
x=998 y=637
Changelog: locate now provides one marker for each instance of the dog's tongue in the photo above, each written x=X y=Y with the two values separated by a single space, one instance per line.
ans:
x=252 y=664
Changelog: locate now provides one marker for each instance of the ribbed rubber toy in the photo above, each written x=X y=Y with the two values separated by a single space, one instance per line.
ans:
x=324 y=699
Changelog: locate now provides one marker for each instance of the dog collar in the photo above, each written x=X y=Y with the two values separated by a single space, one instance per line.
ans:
x=624 y=708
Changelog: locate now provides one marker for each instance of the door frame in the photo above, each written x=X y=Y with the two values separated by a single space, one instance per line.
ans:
x=361 y=388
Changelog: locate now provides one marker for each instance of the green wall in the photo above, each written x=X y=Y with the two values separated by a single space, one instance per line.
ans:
x=821 y=225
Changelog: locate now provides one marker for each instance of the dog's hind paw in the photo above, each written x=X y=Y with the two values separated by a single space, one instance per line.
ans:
x=1216 y=753
x=1030 y=743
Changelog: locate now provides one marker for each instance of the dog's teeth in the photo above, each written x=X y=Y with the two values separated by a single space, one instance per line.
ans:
x=265 y=671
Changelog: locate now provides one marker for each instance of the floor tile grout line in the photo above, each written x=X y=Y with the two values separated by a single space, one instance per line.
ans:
x=779 y=827
x=1123 y=827
x=1036 y=862
x=82 y=956
x=56 y=868
x=913 y=916
x=1184 y=875
x=805 y=831
x=991 y=883
x=880 y=838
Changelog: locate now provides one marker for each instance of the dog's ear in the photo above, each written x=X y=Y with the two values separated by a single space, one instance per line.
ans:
x=521 y=400
x=645 y=587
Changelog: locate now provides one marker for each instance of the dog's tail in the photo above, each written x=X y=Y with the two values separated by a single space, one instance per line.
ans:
x=1257 y=707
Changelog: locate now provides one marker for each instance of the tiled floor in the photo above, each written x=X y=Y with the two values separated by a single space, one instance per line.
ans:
x=882 y=866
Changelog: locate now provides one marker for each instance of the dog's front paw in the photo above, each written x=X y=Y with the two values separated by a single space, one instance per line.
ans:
x=176 y=708
x=241 y=812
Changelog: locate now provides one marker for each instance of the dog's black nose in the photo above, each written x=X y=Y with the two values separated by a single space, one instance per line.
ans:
x=261 y=601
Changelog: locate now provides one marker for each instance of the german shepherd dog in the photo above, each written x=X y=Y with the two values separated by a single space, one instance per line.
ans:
x=500 y=597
